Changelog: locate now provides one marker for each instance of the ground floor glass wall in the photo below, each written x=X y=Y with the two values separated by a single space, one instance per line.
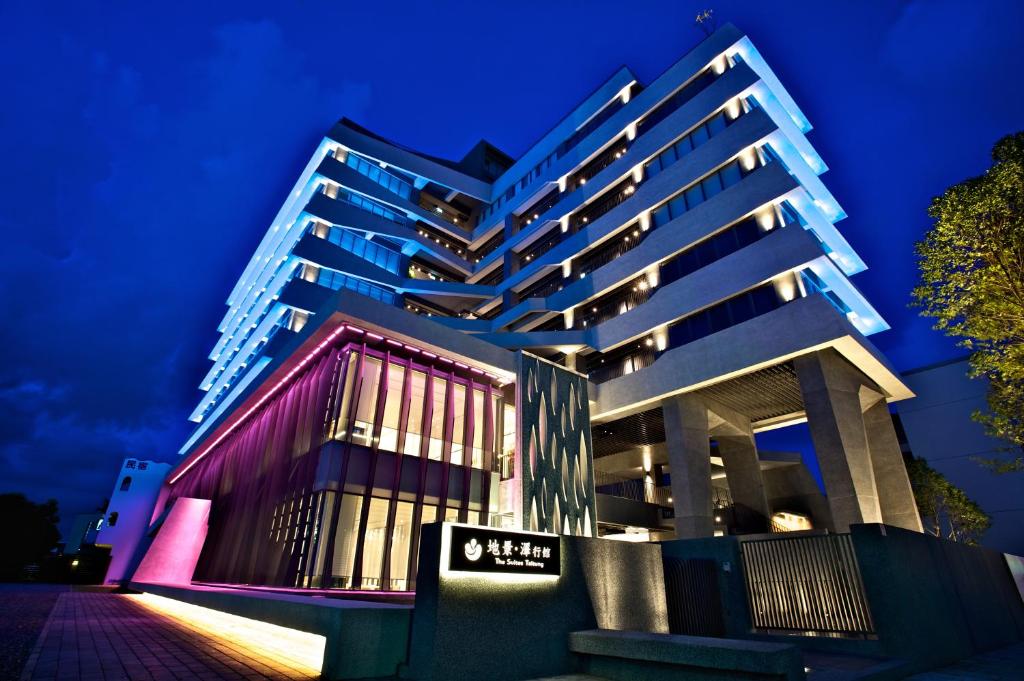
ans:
x=346 y=465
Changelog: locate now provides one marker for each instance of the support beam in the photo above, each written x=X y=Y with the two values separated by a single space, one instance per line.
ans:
x=895 y=496
x=746 y=482
x=735 y=437
x=832 y=399
x=689 y=458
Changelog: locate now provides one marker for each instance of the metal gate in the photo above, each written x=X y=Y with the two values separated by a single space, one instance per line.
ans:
x=694 y=602
x=805 y=584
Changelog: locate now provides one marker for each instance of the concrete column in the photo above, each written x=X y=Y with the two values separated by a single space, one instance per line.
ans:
x=832 y=399
x=689 y=460
x=895 y=496
x=746 y=483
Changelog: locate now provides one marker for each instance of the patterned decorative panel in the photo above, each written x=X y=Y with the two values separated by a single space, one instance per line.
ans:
x=556 y=449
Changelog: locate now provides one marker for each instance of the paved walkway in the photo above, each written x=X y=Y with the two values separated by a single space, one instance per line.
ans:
x=1004 y=664
x=25 y=609
x=110 y=637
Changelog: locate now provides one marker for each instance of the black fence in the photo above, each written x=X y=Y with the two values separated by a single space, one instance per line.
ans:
x=808 y=584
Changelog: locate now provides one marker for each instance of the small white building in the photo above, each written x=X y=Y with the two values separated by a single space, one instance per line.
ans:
x=128 y=513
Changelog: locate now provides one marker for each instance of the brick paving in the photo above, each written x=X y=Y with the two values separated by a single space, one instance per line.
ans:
x=110 y=637
x=25 y=609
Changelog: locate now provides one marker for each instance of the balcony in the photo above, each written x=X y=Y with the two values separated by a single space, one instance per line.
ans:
x=620 y=301
x=589 y=213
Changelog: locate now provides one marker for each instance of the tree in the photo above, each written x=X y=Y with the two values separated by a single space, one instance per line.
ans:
x=946 y=511
x=972 y=283
x=31 y=532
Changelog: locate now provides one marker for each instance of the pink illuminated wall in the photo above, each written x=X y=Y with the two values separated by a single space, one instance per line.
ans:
x=299 y=496
x=174 y=553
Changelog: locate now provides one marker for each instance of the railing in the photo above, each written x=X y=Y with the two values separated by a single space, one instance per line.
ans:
x=605 y=253
x=612 y=305
x=614 y=152
x=440 y=238
x=488 y=246
x=622 y=365
x=541 y=246
x=637 y=490
x=620 y=193
x=806 y=585
x=536 y=210
x=544 y=287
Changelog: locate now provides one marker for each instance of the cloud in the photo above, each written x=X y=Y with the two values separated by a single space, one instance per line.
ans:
x=142 y=185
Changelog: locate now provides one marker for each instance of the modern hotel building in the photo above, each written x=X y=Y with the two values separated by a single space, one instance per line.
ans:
x=581 y=340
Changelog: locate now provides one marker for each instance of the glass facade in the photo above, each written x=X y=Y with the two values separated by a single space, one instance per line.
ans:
x=328 y=485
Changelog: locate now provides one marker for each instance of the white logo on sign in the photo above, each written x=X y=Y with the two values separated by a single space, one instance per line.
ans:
x=474 y=550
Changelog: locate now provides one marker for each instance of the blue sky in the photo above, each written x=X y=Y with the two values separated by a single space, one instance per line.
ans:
x=147 y=146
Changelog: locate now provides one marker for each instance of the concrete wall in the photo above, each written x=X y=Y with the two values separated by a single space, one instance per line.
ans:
x=506 y=630
x=940 y=430
x=934 y=601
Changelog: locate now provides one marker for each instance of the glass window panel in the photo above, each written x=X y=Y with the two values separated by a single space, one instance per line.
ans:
x=373 y=544
x=508 y=446
x=719 y=317
x=699 y=136
x=362 y=428
x=478 y=428
x=677 y=206
x=392 y=407
x=716 y=124
x=652 y=168
x=694 y=196
x=731 y=174
x=436 y=446
x=660 y=216
x=473 y=517
x=341 y=423
x=451 y=515
x=417 y=398
x=683 y=146
x=428 y=515
x=495 y=423
x=712 y=185
x=668 y=157
x=345 y=538
x=459 y=423
x=401 y=538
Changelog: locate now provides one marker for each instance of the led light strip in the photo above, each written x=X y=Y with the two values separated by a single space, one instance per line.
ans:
x=270 y=644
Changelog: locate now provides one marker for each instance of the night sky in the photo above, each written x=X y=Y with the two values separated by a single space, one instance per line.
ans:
x=147 y=146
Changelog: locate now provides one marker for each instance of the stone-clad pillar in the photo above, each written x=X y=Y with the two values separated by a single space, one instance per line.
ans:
x=832 y=399
x=689 y=460
x=895 y=496
x=746 y=482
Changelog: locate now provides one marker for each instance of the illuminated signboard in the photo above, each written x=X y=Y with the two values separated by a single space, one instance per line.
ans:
x=482 y=549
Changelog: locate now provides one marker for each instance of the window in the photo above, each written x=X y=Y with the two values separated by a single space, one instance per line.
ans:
x=508 y=442
x=362 y=427
x=458 y=423
x=126 y=483
x=392 y=407
x=373 y=543
x=340 y=429
x=417 y=398
x=345 y=538
x=112 y=520
x=436 y=448
x=401 y=538
x=478 y=428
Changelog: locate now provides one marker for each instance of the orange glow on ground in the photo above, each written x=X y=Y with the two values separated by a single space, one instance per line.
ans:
x=288 y=650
